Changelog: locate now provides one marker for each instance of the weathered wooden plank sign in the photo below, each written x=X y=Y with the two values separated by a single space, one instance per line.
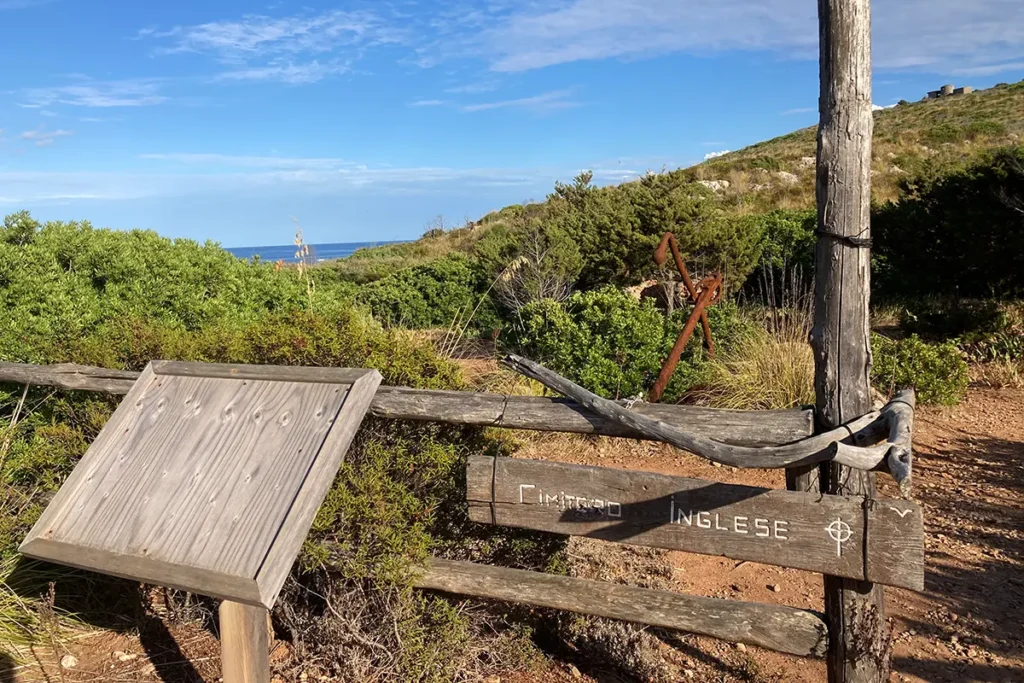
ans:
x=837 y=535
x=207 y=477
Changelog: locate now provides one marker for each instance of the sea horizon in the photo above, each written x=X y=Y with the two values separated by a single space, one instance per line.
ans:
x=319 y=252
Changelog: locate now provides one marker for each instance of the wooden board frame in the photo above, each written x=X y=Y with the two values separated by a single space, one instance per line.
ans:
x=838 y=535
x=287 y=485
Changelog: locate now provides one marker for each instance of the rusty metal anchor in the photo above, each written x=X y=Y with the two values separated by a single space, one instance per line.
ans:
x=708 y=292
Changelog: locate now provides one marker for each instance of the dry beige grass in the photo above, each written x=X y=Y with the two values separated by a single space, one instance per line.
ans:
x=763 y=370
x=998 y=374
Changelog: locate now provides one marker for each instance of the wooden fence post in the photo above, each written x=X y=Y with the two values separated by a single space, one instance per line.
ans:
x=858 y=643
x=244 y=643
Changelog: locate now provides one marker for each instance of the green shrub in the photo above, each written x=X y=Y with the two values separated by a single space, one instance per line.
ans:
x=73 y=293
x=767 y=163
x=614 y=345
x=616 y=229
x=944 y=133
x=984 y=127
x=786 y=252
x=957 y=233
x=947 y=317
x=431 y=295
x=937 y=372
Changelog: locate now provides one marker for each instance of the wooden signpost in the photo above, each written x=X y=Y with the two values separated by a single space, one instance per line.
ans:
x=207 y=478
x=834 y=535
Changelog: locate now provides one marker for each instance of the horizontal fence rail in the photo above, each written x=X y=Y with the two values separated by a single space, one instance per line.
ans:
x=784 y=629
x=738 y=427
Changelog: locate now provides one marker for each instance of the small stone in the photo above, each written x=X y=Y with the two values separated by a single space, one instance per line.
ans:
x=492 y=679
x=954 y=640
x=303 y=676
x=717 y=464
x=126 y=656
x=741 y=647
x=689 y=673
x=775 y=588
x=68 y=662
x=574 y=671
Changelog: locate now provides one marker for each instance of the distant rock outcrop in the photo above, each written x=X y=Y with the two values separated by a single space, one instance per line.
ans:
x=715 y=185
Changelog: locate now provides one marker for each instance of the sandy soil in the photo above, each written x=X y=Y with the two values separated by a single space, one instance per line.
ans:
x=966 y=626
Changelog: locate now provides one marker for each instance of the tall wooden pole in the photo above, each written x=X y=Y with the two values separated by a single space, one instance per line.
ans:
x=855 y=610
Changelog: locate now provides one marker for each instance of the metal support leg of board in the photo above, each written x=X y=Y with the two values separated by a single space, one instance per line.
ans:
x=244 y=643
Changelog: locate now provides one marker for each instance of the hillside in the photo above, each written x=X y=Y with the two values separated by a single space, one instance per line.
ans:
x=912 y=137
x=929 y=136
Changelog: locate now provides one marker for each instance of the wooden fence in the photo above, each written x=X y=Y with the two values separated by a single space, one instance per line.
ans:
x=832 y=534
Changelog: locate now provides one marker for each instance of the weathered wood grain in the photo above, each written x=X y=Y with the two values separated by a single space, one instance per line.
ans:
x=784 y=629
x=855 y=610
x=198 y=479
x=279 y=373
x=244 y=643
x=789 y=529
x=740 y=427
x=278 y=561
x=895 y=544
x=69 y=376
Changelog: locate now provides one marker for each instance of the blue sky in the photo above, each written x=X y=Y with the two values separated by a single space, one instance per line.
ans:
x=225 y=119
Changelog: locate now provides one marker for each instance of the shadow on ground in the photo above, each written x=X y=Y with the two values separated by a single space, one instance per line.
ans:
x=6 y=668
x=107 y=603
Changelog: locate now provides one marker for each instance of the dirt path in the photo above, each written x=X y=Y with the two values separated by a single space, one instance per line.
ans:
x=967 y=626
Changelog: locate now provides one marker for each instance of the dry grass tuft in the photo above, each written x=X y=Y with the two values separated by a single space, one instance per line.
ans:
x=767 y=368
x=998 y=374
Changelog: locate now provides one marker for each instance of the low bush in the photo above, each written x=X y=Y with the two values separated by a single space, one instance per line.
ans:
x=399 y=496
x=614 y=345
x=436 y=294
x=940 y=318
x=937 y=372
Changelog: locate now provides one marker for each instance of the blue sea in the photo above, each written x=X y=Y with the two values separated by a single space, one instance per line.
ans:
x=319 y=252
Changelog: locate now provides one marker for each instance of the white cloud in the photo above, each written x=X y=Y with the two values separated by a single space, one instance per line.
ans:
x=282 y=48
x=292 y=74
x=990 y=70
x=427 y=103
x=44 y=138
x=89 y=93
x=880 y=107
x=263 y=35
x=925 y=35
x=243 y=161
x=473 y=88
x=713 y=155
x=798 y=110
x=555 y=99
x=204 y=174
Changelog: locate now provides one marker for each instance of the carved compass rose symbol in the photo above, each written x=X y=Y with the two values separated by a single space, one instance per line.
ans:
x=840 y=532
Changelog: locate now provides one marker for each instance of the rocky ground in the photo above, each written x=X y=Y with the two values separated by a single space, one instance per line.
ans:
x=966 y=626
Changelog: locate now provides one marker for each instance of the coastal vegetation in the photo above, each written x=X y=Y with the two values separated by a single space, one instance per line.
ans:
x=569 y=282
